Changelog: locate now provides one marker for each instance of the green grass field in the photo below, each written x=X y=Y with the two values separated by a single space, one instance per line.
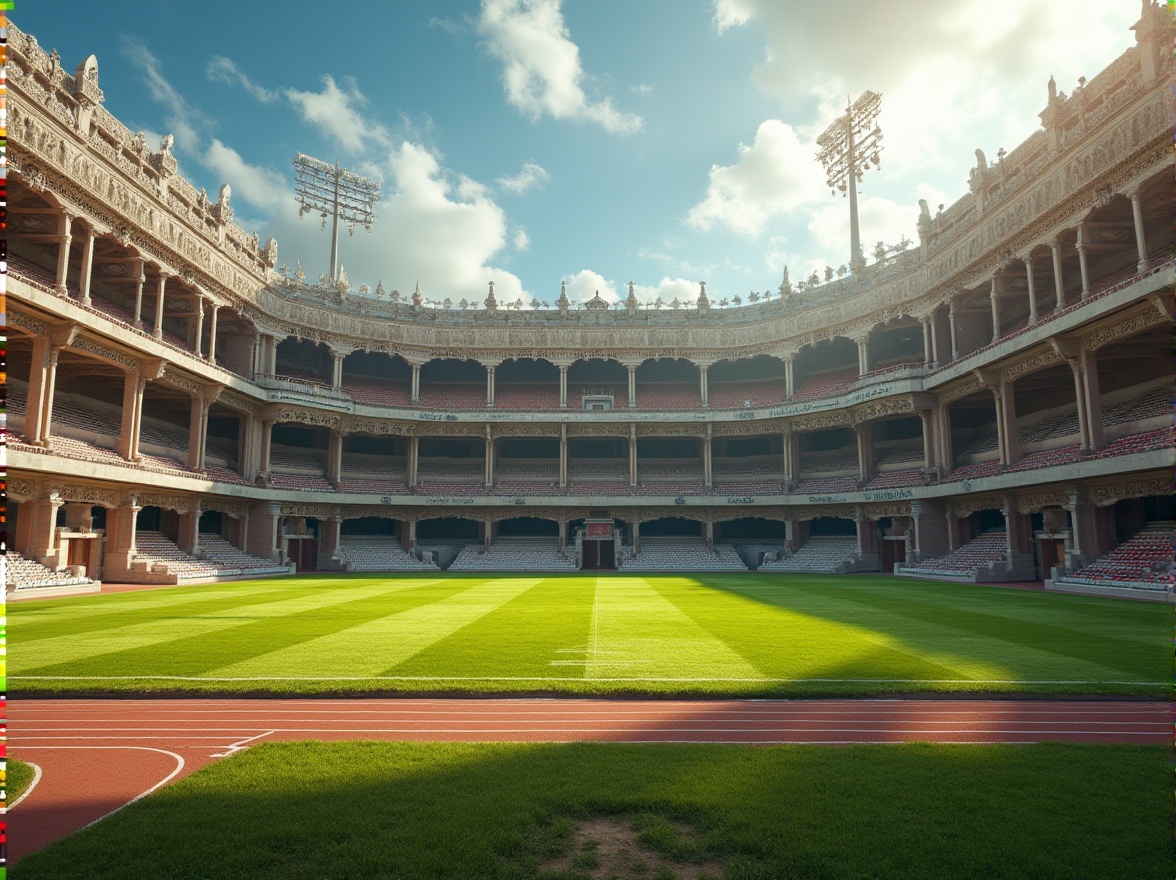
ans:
x=433 y=811
x=18 y=776
x=705 y=635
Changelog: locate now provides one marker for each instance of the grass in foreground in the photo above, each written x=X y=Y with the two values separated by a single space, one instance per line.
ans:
x=430 y=811
x=750 y=635
x=18 y=776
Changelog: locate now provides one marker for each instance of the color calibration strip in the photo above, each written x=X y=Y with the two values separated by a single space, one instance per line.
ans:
x=5 y=6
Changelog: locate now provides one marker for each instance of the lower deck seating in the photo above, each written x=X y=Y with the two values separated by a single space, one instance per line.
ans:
x=817 y=555
x=539 y=554
x=26 y=574
x=1145 y=561
x=981 y=552
x=381 y=554
x=681 y=554
x=216 y=558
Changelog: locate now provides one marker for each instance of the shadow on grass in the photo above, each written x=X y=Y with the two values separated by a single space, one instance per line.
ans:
x=433 y=811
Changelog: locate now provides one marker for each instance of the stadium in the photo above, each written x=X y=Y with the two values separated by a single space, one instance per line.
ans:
x=992 y=405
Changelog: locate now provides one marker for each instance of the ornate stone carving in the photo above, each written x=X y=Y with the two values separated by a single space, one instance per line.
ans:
x=832 y=419
x=21 y=489
x=1036 y=361
x=964 y=388
x=880 y=408
x=1108 y=493
x=303 y=416
x=314 y=511
x=1028 y=502
x=966 y=505
x=91 y=346
x=1128 y=326
x=179 y=503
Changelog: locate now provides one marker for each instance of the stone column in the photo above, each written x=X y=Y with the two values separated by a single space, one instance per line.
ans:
x=702 y=384
x=263 y=445
x=789 y=376
x=636 y=534
x=87 y=268
x=953 y=530
x=943 y=436
x=789 y=456
x=928 y=358
x=1080 y=246
x=188 y=538
x=865 y=450
x=414 y=445
x=64 y=239
x=132 y=415
x=490 y=386
x=1028 y=260
x=198 y=342
x=44 y=547
x=197 y=431
x=951 y=323
x=563 y=536
x=927 y=418
x=930 y=527
x=1083 y=533
x=334 y=457
x=632 y=385
x=411 y=538
x=709 y=531
x=40 y=395
x=416 y=383
x=1140 y=237
x=120 y=549
x=1019 y=533
x=329 y=549
x=708 y=458
x=157 y=332
x=869 y=559
x=489 y=459
x=863 y=347
x=140 y=280
x=632 y=456
x=212 y=333
x=563 y=456
x=563 y=385
x=262 y=534
x=994 y=300
x=336 y=368
x=1055 y=249
x=1006 y=423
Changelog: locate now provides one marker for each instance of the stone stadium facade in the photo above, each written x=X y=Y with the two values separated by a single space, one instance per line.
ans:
x=993 y=404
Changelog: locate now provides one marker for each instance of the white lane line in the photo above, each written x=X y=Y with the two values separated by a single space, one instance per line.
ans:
x=36 y=779
x=556 y=720
x=334 y=678
x=158 y=785
x=238 y=746
x=618 y=729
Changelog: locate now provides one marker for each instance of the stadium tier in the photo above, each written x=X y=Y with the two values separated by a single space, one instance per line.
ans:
x=994 y=403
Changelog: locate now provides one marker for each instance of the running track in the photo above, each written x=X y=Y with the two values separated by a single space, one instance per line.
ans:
x=96 y=756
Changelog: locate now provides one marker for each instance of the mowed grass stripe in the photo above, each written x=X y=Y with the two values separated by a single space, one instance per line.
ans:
x=1054 y=651
x=785 y=643
x=544 y=624
x=62 y=617
x=374 y=645
x=201 y=654
x=62 y=651
x=638 y=633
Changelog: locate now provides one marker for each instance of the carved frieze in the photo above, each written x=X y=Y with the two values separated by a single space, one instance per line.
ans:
x=92 y=346
x=1028 y=502
x=313 y=417
x=966 y=505
x=1036 y=361
x=377 y=427
x=1108 y=493
x=19 y=489
x=314 y=511
x=179 y=503
x=831 y=419
x=1121 y=329
x=880 y=408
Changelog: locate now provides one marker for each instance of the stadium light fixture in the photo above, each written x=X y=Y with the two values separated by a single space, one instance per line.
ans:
x=337 y=193
x=851 y=145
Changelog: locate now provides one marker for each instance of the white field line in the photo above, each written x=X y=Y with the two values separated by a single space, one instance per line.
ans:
x=812 y=722
x=24 y=794
x=239 y=745
x=458 y=729
x=492 y=678
x=158 y=785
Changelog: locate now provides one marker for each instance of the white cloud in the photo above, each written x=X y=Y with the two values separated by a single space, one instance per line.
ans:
x=773 y=176
x=522 y=241
x=335 y=112
x=186 y=123
x=222 y=69
x=530 y=176
x=641 y=89
x=261 y=187
x=541 y=65
x=586 y=283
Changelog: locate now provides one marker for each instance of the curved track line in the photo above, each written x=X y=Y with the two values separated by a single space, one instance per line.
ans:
x=24 y=794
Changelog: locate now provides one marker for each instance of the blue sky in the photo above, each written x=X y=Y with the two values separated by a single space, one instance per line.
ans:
x=663 y=142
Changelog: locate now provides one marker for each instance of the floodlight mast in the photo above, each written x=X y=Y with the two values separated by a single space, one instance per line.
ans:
x=848 y=147
x=335 y=191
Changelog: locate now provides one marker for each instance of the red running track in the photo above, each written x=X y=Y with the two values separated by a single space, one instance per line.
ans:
x=98 y=755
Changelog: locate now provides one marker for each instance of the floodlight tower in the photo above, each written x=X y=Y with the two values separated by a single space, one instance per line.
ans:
x=848 y=147
x=338 y=193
